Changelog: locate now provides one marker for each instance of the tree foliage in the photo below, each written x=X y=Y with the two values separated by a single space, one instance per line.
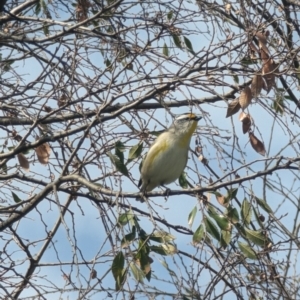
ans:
x=86 y=86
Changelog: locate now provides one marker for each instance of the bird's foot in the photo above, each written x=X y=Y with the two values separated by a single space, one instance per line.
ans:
x=167 y=192
x=142 y=197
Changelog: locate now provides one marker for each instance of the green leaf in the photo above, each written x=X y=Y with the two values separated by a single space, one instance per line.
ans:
x=222 y=221
x=257 y=237
x=137 y=272
x=128 y=238
x=16 y=198
x=161 y=237
x=143 y=237
x=135 y=151
x=236 y=79
x=264 y=205
x=231 y=194
x=144 y=258
x=278 y=104
x=288 y=97
x=121 y=280
x=177 y=41
x=192 y=216
x=189 y=45
x=233 y=214
x=118 y=265
x=225 y=238
x=198 y=234
x=7 y=65
x=125 y=218
x=211 y=228
x=191 y=294
x=119 y=149
x=44 y=6
x=108 y=65
x=247 y=250
x=246 y=212
x=241 y=230
x=165 y=50
x=38 y=8
x=118 y=164
x=248 y=61
x=159 y=249
x=257 y=217
x=170 y=15
x=45 y=9
x=46 y=29
x=182 y=181
x=4 y=168
x=169 y=248
x=269 y=186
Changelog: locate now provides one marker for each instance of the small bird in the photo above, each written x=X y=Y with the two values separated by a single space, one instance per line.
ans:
x=167 y=157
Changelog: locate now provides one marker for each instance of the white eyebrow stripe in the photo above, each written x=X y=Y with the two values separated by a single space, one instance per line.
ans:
x=185 y=116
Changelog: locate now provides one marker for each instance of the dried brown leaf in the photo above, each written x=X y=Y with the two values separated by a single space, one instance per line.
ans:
x=82 y=10
x=245 y=98
x=43 y=153
x=222 y=200
x=268 y=72
x=262 y=42
x=264 y=85
x=256 y=144
x=93 y=274
x=246 y=123
x=47 y=108
x=62 y=100
x=233 y=108
x=23 y=161
x=256 y=85
x=242 y=116
x=203 y=159
x=16 y=136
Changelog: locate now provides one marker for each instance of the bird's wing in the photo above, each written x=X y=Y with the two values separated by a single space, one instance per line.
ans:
x=160 y=145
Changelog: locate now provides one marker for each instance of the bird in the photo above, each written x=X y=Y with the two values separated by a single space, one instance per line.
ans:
x=167 y=157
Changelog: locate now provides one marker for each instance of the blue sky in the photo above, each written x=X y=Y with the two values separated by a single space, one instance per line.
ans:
x=83 y=239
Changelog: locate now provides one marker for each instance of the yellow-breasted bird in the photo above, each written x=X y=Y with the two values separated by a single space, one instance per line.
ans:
x=167 y=157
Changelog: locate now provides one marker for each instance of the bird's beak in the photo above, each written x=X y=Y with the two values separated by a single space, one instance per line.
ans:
x=197 y=118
